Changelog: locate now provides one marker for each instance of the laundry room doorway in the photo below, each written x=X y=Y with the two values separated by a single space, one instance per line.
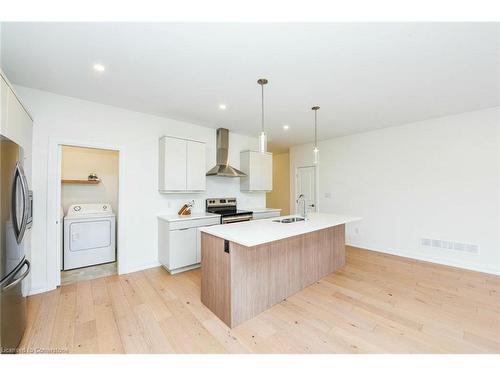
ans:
x=86 y=184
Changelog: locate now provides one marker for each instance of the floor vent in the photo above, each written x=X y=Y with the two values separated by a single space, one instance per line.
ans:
x=450 y=245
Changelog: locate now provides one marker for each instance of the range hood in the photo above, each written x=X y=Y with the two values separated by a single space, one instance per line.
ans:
x=223 y=168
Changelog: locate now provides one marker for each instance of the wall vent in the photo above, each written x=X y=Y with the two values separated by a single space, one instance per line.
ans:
x=450 y=245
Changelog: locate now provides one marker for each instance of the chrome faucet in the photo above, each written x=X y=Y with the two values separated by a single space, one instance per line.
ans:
x=302 y=199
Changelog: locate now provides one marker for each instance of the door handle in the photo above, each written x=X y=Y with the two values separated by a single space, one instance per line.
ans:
x=311 y=205
x=21 y=278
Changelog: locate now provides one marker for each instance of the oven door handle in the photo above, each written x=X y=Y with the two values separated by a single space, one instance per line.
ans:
x=236 y=219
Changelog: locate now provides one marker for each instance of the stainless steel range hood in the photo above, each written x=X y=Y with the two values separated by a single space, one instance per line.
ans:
x=223 y=168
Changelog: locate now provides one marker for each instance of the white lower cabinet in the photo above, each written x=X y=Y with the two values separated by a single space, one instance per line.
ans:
x=183 y=247
x=179 y=243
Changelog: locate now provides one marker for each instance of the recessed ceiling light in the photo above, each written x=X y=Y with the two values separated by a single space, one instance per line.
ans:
x=222 y=106
x=286 y=127
x=99 y=68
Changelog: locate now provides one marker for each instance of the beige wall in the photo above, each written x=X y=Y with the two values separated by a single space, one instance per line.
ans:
x=78 y=163
x=280 y=196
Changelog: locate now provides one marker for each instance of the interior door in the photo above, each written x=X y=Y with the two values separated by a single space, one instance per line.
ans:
x=306 y=185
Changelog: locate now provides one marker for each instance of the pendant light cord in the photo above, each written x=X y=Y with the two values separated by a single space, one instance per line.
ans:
x=262 y=105
x=316 y=128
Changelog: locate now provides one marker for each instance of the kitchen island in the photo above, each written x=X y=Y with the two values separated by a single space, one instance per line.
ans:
x=248 y=267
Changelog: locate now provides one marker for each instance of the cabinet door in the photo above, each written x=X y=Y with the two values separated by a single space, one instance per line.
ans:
x=266 y=165
x=195 y=172
x=182 y=248
x=245 y=168
x=16 y=123
x=172 y=164
x=255 y=175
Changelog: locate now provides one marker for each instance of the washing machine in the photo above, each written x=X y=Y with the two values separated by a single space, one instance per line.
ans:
x=89 y=235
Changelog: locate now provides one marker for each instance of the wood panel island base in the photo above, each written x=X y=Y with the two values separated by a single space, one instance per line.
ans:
x=242 y=278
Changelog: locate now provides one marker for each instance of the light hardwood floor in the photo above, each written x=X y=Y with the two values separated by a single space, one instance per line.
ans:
x=377 y=303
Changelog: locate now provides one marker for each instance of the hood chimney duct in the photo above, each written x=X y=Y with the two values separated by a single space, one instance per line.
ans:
x=222 y=168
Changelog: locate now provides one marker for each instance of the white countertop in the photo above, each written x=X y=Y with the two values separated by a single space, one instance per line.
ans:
x=257 y=232
x=261 y=209
x=193 y=216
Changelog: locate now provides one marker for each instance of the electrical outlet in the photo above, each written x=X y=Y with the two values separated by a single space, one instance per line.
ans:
x=328 y=195
x=356 y=231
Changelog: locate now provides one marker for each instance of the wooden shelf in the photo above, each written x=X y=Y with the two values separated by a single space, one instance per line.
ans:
x=83 y=182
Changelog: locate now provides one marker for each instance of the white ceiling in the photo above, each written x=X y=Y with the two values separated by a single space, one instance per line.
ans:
x=364 y=76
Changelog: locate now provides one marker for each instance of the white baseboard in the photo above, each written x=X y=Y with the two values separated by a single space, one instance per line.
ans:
x=39 y=290
x=182 y=269
x=141 y=268
x=437 y=260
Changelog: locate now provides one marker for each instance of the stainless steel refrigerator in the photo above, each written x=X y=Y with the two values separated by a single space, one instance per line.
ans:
x=16 y=218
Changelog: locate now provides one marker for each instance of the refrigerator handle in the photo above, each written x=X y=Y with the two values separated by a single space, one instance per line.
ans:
x=21 y=278
x=19 y=176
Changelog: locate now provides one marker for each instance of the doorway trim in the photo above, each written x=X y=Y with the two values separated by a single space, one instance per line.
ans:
x=54 y=168
x=316 y=186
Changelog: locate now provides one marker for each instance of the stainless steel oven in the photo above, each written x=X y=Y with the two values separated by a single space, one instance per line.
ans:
x=235 y=218
x=227 y=208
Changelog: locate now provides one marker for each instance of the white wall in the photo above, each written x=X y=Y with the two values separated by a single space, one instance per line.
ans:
x=60 y=117
x=438 y=179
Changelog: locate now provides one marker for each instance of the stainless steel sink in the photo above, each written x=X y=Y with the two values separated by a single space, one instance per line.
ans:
x=289 y=220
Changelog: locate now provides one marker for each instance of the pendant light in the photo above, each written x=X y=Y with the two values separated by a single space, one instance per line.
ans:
x=262 y=135
x=315 y=149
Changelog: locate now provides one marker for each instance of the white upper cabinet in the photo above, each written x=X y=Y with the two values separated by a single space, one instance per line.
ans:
x=195 y=174
x=182 y=165
x=259 y=170
x=16 y=124
x=172 y=164
x=4 y=100
x=266 y=171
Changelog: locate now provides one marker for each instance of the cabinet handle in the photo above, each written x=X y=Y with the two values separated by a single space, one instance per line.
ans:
x=184 y=228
